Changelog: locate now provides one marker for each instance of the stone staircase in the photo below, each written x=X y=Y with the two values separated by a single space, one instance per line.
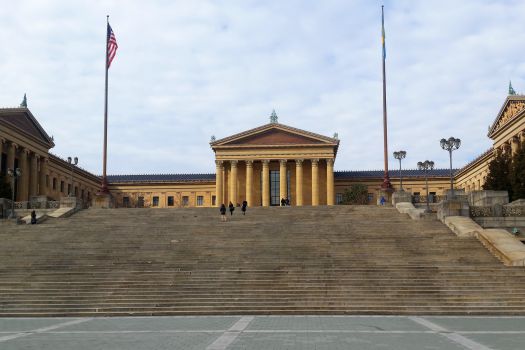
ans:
x=291 y=260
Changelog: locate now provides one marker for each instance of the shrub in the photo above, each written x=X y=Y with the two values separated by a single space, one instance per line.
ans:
x=356 y=194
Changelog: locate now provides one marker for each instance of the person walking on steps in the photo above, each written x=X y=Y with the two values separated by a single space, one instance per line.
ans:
x=223 y=212
x=232 y=208
x=243 y=208
x=33 y=217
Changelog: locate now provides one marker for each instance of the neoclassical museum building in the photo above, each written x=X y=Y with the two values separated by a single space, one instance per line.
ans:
x=262 y=166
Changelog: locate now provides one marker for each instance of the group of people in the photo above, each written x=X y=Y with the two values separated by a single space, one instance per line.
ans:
x=231 y=207
x=285 y=202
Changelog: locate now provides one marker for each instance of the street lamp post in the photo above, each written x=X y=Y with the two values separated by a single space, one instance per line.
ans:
x=72 y=163
x=14 y=174
x=426 y=166
x=400 y=155
x=450 y=145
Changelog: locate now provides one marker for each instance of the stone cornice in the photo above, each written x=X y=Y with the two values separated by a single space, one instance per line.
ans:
x=485 y=156
x=505 y=117
x=48 y=143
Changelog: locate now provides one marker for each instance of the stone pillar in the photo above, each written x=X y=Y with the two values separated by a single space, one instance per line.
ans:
x=514 y=144
x=11 y=155
x=218 y=183
x=330 y=182
x=249 y=181
x=283 y=193
x=42 y=190
x=315 y=181
x=233 y=182
x=265 y=183
x=507 y=148
x=224 y=184
x=33 y=181
x=2 y=141
x=23 y=184
x=299 y=182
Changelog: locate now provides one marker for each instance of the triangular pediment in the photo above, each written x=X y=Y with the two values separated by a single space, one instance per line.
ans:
x=22 y=120
x=274 y=135
x=513 y=107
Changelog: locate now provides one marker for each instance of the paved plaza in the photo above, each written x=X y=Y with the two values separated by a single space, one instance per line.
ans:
x=264 y=332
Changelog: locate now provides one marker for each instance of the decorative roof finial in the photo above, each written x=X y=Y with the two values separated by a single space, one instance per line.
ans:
x=336 y=136
x=273 y=117
x=212 y=139
x=511 y=89
x=24 y=102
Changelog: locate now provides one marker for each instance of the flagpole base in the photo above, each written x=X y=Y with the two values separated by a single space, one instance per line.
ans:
x=386 y=185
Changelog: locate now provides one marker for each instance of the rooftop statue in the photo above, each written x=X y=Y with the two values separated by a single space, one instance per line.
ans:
x=511 y=89
x=273 y=117
x=24 y=102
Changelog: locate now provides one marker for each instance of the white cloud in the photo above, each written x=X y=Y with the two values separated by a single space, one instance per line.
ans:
x=188 y=69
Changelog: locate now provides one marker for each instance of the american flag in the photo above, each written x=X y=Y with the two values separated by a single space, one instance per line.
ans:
x=112 y=45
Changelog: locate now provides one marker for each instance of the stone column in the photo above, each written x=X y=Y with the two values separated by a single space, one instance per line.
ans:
x=507 y=148
x=2 y=141
x=224 y=184
x=33 y=181
x=11 y=155
x=315 y=181
x=42 y=190
x=283 y=193
x=23 y=184
x=330 y=182
x=249 y=181
x=514 y=144
x=233 y=182
x=218 y=183
x=299 y=182
x=265 y=183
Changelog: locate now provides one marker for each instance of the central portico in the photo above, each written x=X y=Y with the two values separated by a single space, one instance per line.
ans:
x=275 y=161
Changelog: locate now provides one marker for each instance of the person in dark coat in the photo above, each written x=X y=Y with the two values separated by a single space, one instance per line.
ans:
x=232 y=208
x=243 y=208
x=283 y=202
x=33 y=217
x=223 y=212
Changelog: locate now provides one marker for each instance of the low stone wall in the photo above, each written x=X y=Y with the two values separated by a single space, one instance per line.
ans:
x=463 y=226
x=5 y=207
x=508 y=222
x=488 y=198
x=453 y=207
x=499 y=242
x=413 y=212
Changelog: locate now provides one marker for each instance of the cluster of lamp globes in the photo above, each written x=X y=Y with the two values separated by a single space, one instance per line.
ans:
x=448 y=145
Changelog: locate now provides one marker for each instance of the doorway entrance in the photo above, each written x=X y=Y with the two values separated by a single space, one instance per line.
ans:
x=275 y=187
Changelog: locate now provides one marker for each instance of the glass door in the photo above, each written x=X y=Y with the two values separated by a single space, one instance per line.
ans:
x=275 y=188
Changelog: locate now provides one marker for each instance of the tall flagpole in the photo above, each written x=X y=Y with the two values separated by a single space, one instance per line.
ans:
x=386 y=179
x=104 y=188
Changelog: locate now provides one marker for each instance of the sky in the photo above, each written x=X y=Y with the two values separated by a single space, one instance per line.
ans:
x=187 y=70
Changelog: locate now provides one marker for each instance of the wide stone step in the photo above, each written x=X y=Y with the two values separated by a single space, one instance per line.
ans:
x=306 y=260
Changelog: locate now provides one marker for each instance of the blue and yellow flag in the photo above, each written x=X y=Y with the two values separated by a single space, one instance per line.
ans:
x=383 y=32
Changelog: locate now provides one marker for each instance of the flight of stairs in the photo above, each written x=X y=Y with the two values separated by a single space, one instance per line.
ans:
x=290 y=260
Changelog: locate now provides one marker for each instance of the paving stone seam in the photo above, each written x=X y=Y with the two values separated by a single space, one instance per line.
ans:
x=453 y=336
x=44 y=329
x=231 y=334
